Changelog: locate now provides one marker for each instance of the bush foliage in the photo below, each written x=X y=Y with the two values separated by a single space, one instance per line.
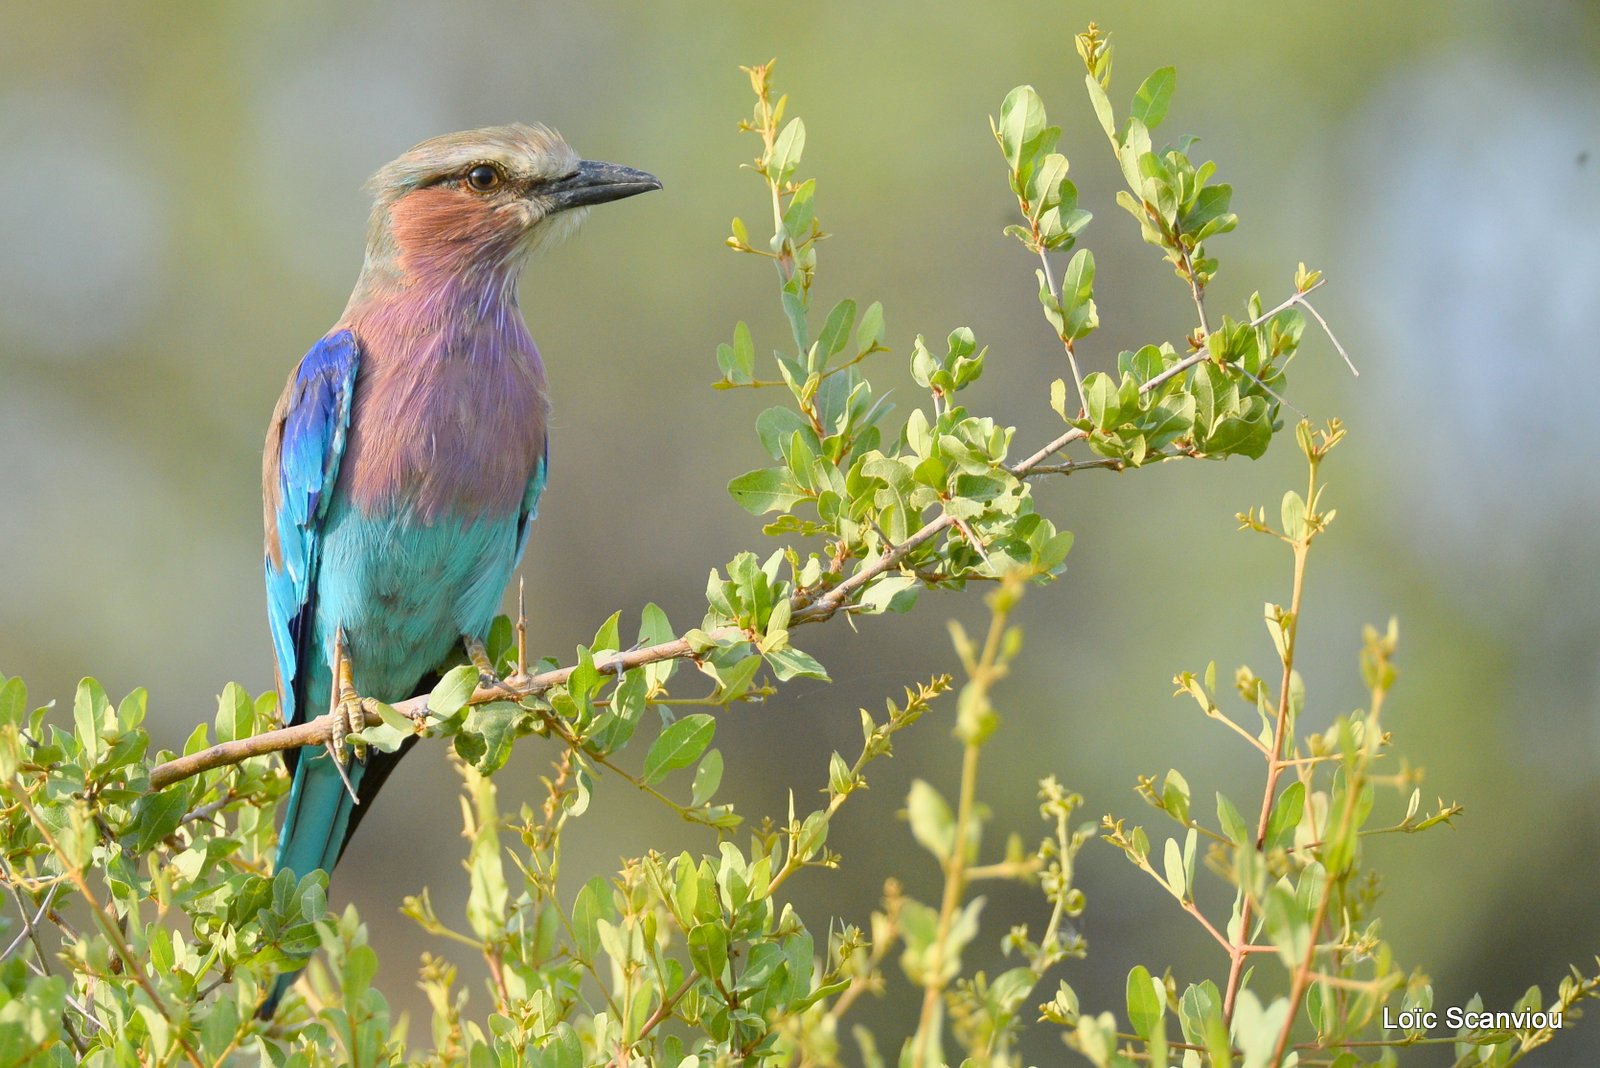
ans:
x=145 y=925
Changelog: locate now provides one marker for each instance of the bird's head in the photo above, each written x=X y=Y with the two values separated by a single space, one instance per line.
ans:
x=484 y=199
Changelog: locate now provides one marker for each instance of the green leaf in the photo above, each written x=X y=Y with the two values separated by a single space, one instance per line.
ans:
x=840 y=778
x=452 y=691
x=786 y=151
x=1199 y=1004
x=1175 y=796
x=933 y=825
x=708 y=949
x=217 y=1030
x=1241 y=437
x=394 y=729
x=1210 y=206
x=733 y=678
x=495 y=724
x=13 y=702
x=707 y=777
x=1170 y=420
x=627 y=709
x=678 y=746
x=813 y=835
x=869 y=332
x=157 y=815
x=797 y=217
x=1177 y=875
x=771 y=489
x=592 y=905
x=1102 y=106
x=777 y=425
x=1022 y=119
x=835 y=333
x=744 y=353
x=1135 y=146
x=1256 y=1029
x=607 y=637
x=1077 y=296
x=487 y=890
x=1232 y=822
x=791 y=662
x=1058 y=399
x=654 y=629
x=1293 y=514
x=89 y=707
x=1100 y=394
x=891 y=593
x=1145 y=1005
x=235 y=711
x=564 y=1050
x=1286 y=814
x=1150 y=102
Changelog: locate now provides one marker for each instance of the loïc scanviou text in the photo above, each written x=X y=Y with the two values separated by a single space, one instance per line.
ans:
x=1457 y=1018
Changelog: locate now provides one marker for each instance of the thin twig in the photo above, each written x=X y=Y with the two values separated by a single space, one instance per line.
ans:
x=204 y=812
x=1197 y=291
x=1326 y=329
x=28 y=926
x=1204 y=353
x=1109 y=463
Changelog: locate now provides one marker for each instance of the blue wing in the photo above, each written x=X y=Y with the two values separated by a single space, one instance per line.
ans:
x=304 y=447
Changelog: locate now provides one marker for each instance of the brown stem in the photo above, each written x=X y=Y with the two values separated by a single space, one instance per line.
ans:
x=1275 y=766
x=663 y=1011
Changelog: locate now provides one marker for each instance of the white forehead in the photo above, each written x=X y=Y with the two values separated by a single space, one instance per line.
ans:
x=523 y=151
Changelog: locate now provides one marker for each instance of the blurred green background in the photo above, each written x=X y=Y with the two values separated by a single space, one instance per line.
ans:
x=181 y=216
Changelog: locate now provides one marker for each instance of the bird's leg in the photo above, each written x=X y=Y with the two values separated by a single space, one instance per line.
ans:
x=478 y=653
x=349 y=707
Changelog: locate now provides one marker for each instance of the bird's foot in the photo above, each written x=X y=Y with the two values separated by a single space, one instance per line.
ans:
x=487 y=676
x=350 y=709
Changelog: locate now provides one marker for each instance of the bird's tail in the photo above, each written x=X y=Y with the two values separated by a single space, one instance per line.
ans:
x=280 y=987
x=315 y=829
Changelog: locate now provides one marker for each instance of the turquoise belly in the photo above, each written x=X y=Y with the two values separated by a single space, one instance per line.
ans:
x=404 y=592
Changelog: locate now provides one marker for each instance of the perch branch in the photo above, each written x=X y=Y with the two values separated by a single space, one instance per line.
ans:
x=318 y=731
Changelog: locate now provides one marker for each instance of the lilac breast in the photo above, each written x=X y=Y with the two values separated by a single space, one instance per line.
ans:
x=450 y=409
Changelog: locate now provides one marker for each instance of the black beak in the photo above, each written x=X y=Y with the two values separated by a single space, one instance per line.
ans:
x=596 y=183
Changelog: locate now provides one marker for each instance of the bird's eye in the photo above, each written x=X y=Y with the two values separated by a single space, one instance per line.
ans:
x=483 y=178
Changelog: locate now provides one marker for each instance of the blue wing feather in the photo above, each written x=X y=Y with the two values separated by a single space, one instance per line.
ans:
x=311 y=445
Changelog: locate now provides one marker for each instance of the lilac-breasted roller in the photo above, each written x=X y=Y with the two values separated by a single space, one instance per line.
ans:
x=405 y=459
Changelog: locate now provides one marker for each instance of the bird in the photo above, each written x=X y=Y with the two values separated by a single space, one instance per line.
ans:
x=405 y=459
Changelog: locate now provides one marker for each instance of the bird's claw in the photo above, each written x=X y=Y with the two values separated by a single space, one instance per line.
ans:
x=350 y=709
x=350 y=718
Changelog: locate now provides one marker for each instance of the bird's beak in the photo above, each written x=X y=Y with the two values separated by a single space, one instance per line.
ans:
x=596 y=183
